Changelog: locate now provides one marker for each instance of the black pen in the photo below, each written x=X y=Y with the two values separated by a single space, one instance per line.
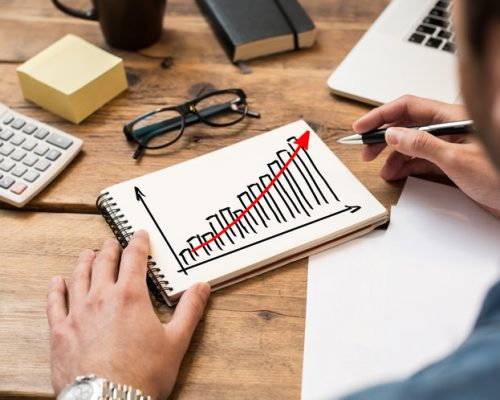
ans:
x=378 y=136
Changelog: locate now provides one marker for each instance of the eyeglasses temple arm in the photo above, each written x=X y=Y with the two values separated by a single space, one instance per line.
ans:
x=214 y=110
x=253 y=114
x=158 y=128
x=138 y=152
x=150 y=131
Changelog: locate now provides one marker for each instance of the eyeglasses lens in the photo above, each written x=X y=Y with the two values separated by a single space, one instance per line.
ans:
x=222 y=109
x=159 y=129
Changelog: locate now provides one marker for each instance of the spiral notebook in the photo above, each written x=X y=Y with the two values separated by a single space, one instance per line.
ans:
x=241 y=211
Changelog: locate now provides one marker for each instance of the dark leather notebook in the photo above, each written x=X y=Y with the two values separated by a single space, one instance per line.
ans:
x=254 y=28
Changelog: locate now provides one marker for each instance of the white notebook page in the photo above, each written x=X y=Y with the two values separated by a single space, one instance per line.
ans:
x=183 y=206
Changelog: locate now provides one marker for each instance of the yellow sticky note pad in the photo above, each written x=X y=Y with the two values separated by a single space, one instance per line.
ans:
x=72 y=78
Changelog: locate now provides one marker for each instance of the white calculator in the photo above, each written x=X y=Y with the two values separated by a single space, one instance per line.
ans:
x=31 y=155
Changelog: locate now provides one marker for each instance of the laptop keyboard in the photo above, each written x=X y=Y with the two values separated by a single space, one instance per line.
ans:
x=435 y=29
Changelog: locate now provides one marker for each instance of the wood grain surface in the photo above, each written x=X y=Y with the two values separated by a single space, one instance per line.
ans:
x=283 y=88
x=250 y=343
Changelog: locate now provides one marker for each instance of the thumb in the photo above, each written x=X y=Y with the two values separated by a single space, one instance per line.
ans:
x=415 y=143
x=189 y=312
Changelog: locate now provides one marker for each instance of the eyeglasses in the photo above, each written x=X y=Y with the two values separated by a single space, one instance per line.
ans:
x=163 y=127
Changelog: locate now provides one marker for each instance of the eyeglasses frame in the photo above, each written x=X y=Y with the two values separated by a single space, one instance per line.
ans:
x=184 y=110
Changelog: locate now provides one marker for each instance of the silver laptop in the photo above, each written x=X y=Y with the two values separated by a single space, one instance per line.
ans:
x=410 y=49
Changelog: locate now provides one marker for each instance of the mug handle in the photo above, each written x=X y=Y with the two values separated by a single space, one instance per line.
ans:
x=90 y=14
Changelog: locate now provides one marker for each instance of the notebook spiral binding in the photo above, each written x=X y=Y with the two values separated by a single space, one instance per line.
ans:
x=109 y=209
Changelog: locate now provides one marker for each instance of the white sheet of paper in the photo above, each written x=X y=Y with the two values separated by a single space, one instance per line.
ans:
x=344 y=310
x=382 y=307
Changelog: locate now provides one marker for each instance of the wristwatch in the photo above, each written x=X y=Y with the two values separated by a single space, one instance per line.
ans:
x=89 y=387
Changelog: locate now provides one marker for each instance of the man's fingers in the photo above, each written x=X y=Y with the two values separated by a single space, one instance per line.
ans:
x=188 y=313
x=405 y=110
x=419 y=144
x=105 y=267
x=56 y=302
x=399 y=166
x=371 y=152
x=79 y=283
x=134 y=261
x=395 y=161
x=390 y=113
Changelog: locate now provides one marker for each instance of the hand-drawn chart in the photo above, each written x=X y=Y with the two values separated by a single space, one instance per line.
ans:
x=289 y=193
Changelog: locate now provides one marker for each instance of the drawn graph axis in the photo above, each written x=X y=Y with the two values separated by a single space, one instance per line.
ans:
x=140 y=197
x=352 y=209
x=260 y=209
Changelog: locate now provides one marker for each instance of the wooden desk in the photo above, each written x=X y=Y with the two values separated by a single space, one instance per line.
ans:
x=250 y=343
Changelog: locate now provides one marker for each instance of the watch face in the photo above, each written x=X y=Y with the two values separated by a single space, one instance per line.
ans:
x=82 y=391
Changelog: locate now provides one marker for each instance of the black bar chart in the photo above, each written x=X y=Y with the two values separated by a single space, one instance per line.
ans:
x=295 y=200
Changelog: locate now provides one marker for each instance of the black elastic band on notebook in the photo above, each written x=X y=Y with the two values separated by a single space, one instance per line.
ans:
x=290 y=24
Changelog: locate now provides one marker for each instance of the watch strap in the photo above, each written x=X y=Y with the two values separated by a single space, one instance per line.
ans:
x=102 y=389
x=117 y=391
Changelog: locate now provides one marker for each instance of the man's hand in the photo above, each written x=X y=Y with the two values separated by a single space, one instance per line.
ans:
x=460 y=157
x=110 y=328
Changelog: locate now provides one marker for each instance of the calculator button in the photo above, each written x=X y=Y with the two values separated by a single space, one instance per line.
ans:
x=30 y=128
x=53 y=155
x=17 y=140
x=18 y=123
x=18 y=155
x=19 y=171
x=29 y=145
x=6 y=134
x=41 y=150
x=8 y=120
x=7 y=182
x=30 y=160
x=42 y=165
x=60 y=141
x=6 y=150
x=18 y=188
x=41 y=133
x=7 y=165
x=31 y=176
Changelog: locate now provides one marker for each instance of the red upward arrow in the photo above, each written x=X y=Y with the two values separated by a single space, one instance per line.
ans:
x=301 y=142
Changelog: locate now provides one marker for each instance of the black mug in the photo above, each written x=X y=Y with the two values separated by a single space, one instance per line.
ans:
x=126 y=24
